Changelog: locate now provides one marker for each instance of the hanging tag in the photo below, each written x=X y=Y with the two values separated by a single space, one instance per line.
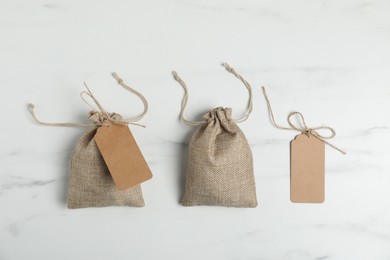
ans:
x=307 y=169
x=122 y=155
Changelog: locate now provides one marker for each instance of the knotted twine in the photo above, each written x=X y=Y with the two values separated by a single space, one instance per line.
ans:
x=90 y=182
x=99 y=117
x=220 y=164
x=313 y=131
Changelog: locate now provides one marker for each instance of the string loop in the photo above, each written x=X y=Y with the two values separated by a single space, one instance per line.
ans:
x=313 y=131
x=99 y=116
x=185 y=97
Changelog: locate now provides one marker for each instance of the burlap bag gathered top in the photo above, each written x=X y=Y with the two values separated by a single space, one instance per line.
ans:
x=220 y=164
x=90 y=182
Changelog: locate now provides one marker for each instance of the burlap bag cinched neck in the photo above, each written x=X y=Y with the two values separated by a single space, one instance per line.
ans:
x=90 y=182
x=220 y=163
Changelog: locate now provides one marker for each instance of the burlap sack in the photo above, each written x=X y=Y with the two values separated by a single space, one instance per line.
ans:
x=90 y=183
x=220 y=164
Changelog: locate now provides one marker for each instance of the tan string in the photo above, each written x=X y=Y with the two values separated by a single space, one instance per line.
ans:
x=143 y=99
x=89 y=93
x=248 y=87
x=184 y=102
x=105 y=115
x=304 y=128
x=31 y=108
x=185 y=97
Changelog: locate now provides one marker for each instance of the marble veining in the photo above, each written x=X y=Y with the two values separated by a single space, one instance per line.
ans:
x=328 y=59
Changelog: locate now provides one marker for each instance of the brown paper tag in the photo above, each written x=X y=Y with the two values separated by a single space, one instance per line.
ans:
x=307 y=180
x=122 y=155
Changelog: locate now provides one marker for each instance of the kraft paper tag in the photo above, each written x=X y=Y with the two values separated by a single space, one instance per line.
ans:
x=122 y=155
x=307 y=169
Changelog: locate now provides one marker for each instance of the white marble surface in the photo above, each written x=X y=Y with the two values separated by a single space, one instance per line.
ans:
x=328 y=59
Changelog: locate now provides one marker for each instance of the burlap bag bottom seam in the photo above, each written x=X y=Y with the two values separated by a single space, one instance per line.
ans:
x=203 y=200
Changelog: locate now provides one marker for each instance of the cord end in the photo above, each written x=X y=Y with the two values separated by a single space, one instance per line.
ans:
x=227 y=67
x=85 y=84
x=115 y=75
x=175 y=75
x=30 y=107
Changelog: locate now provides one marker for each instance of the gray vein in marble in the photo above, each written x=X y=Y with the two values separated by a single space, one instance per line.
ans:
x=304 y=254
x=266 y=142
x=356 y=228
x=274 y=14
x=353 y=167
x=51 y=6
x=361 y=8
x=21 y=152
x=9 y=154
x=360 y=152
x=163 y=141
x=311 y=70
x=250 y=235
x=210 y=8
x=240 y=236
x=364 y=5
x=27 y=184
x=372 y=130
x=322 y=257
x=367 y=132
x=12 y=229
x=54 y=7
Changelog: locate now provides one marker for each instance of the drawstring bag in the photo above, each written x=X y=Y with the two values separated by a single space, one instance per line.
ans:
x=220 y=164
x=90 y=181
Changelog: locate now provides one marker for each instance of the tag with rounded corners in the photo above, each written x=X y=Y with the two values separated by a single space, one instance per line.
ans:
x=122 y=155
x=307 y=169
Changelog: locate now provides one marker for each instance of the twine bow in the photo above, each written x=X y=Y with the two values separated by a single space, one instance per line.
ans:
x=99 y=116
x=313 y=131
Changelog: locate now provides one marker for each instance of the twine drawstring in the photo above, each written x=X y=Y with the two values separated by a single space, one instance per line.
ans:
x=114 y=118
x=313 y=131
x=185 y=97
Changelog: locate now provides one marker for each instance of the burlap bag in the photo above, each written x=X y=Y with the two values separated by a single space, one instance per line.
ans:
x=220 y=163
x=90 y=182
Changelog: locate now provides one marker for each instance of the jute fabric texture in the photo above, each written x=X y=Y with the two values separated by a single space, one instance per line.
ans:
x=90 y=182
x=220 y=164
